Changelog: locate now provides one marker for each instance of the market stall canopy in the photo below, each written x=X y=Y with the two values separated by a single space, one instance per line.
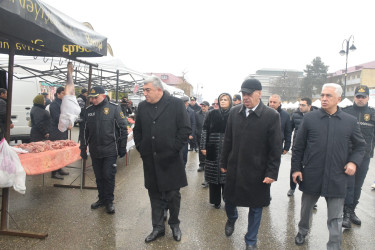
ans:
x=33 y=24
x=51 y=71
x=317 y=103
x=345 y=103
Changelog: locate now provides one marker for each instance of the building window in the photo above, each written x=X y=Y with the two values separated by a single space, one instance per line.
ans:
x=164 y=77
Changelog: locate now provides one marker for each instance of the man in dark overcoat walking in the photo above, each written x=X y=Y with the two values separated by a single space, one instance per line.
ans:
x=162 y=128
x=251 y=156
x=329 y=147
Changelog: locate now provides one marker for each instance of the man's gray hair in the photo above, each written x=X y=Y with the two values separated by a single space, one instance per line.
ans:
x=277 y=96
x=338 y=89
x=155 y=82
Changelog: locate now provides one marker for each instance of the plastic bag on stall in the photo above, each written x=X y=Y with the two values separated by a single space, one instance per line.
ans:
x=11 y=170
x=69 y=112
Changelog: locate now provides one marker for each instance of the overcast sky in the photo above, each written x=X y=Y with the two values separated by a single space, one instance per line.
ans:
x=219 y=43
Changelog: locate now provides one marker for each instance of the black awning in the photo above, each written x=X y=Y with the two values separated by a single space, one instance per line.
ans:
x=33 y=24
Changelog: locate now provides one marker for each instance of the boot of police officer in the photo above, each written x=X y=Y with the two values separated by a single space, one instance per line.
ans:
x=366 y=120
x=106 y=136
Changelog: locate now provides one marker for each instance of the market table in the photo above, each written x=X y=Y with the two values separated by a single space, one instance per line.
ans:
x=44 y=162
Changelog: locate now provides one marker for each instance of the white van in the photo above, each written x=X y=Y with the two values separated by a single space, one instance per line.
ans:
x=24 y=92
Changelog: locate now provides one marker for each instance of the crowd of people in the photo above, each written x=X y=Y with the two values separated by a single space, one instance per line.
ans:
x=240 y=141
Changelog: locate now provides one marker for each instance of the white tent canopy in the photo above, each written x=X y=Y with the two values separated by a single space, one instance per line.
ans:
x=344 y=103
x=317 y=103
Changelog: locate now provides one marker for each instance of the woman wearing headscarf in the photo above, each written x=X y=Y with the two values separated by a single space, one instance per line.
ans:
x=40 y=120
x=211 y=146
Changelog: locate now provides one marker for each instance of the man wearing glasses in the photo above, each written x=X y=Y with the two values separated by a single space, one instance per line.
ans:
x=366 y=120
x=296 y=119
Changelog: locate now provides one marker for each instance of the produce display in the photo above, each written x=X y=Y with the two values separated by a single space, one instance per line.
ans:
x=42 y=146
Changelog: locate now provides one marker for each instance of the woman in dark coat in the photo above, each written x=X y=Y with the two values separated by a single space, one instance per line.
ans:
x=211 y=146
x=40 y=120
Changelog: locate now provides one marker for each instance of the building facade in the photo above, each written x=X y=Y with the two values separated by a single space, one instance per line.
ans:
x=175 y=81
x=362 y=74
x=271 y=78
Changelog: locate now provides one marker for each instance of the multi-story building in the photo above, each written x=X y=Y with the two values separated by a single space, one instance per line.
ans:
x=175 y=81
x=268 y=78
x=360 y=74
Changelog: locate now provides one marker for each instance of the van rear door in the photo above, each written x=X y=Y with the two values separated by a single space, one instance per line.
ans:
x=24 y=92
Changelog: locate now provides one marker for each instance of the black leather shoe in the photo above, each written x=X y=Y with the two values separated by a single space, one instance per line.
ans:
x=190 y=149
x=176 y=232
x=217 y=206
x=300 y=239
x=200 y=169
x=250 y=247
x=154 y=235
x=229 y=227
x=346 y=218
x=97 y=204
x=110 y=208
x=354 y=218
x=63 y=172
x=57 y=175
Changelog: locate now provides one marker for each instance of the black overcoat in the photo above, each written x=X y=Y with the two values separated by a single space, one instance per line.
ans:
x=161 y=130
x=40 y=123
x=322 y=149
x=54 y=110
x=251 y=152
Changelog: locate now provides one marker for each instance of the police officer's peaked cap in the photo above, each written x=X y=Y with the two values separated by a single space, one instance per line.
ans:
x=95 y=91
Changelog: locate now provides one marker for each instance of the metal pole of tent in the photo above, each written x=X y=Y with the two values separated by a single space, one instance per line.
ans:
x=5 y=198
x=117 y=80
x=83 y=172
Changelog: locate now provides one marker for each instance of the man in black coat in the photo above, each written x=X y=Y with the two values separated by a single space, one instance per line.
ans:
x=106 y=135
x=161 y=130
x=82 y=99
x=286 y=127
x=366 y=120
x=195 y=107
x=3 y=112
x=329 y=147
x=251 y=156
x=191 y=114
x=200 y=116
x=55 y=133
x=295 y=121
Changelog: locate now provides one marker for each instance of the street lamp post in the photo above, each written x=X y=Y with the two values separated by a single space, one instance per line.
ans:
x=346 y=53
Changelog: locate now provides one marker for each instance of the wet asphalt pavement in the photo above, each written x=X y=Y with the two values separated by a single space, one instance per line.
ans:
x=66 y=216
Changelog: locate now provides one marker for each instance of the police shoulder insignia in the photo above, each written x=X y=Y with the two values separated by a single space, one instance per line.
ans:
x=366 y=117
x=106 y=111
x=122 y=114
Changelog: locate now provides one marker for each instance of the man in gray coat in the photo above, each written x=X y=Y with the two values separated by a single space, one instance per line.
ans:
x=322 y=160
x=251 y=157
x=162 y=128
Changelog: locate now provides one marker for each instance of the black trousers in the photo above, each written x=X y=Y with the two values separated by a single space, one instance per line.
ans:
x=202 y=158
x=216 y=191
x=159 y=202
x=105 y=171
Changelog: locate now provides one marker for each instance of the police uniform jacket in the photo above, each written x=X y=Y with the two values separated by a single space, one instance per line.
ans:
x=161 y=131
x=322 y=149
x=251 y=152
x=104 y=129
x=366 y=120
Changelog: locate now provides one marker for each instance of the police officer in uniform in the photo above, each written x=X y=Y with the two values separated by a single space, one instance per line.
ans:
x=366 y=120
x=106 y=135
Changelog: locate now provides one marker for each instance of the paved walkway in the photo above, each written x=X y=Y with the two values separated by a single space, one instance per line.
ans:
x=66 y=215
